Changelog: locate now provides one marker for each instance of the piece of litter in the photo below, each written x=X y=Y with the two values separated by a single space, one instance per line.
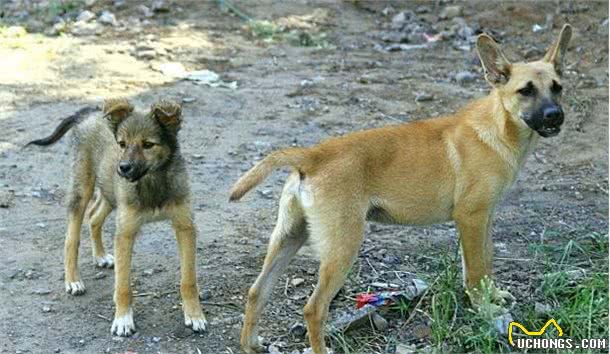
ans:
x=383 y=298
x=502 y=322
x=171 y=69
x=210 y=78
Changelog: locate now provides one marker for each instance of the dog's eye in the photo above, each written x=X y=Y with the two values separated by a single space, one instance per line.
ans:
x=147 y=145
x=556 y=88
x=528 y=90
x=122 y=144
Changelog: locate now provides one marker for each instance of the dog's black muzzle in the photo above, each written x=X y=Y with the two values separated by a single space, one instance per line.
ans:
x=131 y=171
x=546 y=121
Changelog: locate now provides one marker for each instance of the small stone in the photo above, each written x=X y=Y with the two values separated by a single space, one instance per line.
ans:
x=537 y=28
x=297 y=281
x=532 y=53
x=266 y=193
x=423 y=97
x=99 y=275
x=182 y=332
x=160 y=6
x=401 y=19
x=148 y=272
x=298 y=330
x=423 y=9
x=58 y=28
x=188 y=99
x=146 y=54
x=85 y=16
x=205 y=295
x=541 y=308
x=156 y=339
x=422 y=331
x=380 y=323
x=119 y=3
x=82 y=28
x=6 y=199
x=451 y=12
x=108 y=18
x=46 y=309
x=81 y=342
x=57 y=350
x=406 y=349
x=307 y=83
x=41 y=291
x=145 y=11
x=464 y=77
x=272 y=349
x=388 y=11
x=391 y=260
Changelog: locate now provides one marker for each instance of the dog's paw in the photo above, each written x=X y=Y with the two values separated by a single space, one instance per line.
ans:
x=490 y=310
x=123 y=326
x=106 y=261
x=502 y=296
x=253 y=345
x=75 y=287
x=196 y=323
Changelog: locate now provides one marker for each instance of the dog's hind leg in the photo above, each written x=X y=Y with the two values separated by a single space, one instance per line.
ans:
x=186 y=235
x=287 y=238
x=98 y=214
x=83 y=181
x=338 y=238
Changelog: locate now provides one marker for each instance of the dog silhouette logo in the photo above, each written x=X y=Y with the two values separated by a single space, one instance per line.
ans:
x=532 y=333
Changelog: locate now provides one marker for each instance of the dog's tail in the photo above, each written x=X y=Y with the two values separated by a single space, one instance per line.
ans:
x=297 y=158
x=63 y=127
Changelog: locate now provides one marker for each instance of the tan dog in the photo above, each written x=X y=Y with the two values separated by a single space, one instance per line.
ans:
x=133 y=158
x=449 y=168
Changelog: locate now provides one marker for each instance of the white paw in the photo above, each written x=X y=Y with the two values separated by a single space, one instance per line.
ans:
x=197 y=323
x=106 y=261
x=75 y=287
x=123 y=326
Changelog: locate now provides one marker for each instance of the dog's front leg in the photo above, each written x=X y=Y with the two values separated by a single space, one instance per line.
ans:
x=477 y=249
x=128 y=224
x=477 y=259
x=186 y=236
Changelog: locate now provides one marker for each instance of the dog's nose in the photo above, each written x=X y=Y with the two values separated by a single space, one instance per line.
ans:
x=553 y=114
x=125 y=167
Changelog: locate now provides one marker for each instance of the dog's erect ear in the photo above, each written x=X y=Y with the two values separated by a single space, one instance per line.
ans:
x=495 y=64
x=116 y=110
x=168 y=114
x=556 y=53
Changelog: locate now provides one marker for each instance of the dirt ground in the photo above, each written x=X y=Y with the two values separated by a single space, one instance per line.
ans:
x=287 y=95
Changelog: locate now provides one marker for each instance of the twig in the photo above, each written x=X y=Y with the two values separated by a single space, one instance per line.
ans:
x=286 y=288
x=420 y=301
x=224 y=4
x=370 y=265
x=221 y=304
x=152 y=293
x=103 y=317
x=514 y=259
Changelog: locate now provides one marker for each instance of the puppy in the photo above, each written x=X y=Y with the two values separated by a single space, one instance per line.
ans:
x=449 y=168
x=133 y=160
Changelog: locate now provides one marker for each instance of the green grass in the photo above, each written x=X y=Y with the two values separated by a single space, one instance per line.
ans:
x=572 y=281
x=269 y=31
